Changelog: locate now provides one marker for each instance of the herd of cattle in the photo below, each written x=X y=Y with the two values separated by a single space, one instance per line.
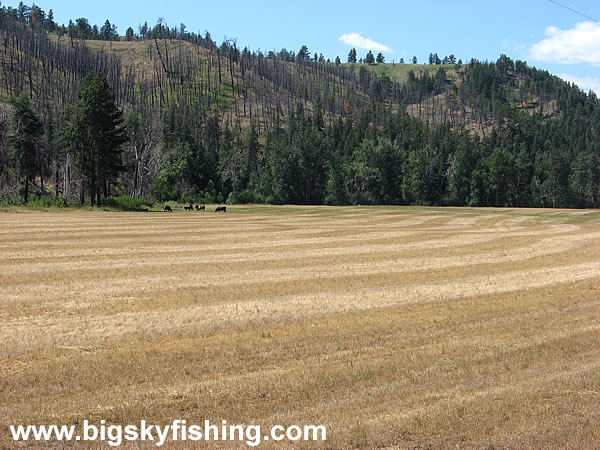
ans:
x=191 y=207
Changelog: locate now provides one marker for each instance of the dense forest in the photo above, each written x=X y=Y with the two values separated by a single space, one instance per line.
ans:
x=188 y=119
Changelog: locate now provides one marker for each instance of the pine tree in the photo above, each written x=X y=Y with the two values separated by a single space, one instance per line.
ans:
x=304 y=54
x=352 y=56
x=50 y=25
x=95 y=134
x=108 y=32
x=129 y=34
x=25 y=137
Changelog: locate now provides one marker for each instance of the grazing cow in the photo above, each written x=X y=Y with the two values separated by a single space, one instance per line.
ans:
x=198 y=208
x=188 y=208
x=168 y=208
x=221 y=209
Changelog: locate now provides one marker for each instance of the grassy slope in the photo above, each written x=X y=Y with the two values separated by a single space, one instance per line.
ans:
x=399 y=72
x=392 y=326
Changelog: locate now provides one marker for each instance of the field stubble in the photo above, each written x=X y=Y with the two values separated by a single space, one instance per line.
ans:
x=391 y=326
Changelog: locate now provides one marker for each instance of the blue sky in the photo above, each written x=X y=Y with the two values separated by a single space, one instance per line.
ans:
x=541 y=32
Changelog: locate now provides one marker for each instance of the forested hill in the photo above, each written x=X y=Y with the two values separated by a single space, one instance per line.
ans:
x=217 y=122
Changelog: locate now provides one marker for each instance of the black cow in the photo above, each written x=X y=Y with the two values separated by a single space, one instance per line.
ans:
x=168 y=208
x=221 y=209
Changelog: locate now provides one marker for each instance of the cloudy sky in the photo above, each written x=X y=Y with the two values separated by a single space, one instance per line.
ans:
x=561 y=36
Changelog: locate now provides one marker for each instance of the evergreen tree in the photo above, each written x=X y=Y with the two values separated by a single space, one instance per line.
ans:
x=303 y=54
x=26 y=132
x=144 y=29
x=586 y=179
x=37 y=16
x=95 y=133
x=352 y=55
x=380 y=58
x=23 y=13
x=50 y=25
x=129 y=34
x=108 y=32
x=82 y=28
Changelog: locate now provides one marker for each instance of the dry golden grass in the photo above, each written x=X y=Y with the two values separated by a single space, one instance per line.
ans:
x=391 y=326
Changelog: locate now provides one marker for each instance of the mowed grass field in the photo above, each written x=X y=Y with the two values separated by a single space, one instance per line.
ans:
x=390 y=326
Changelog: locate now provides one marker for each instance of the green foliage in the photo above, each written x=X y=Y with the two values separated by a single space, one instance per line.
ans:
x=501 y=172
x=167 y=185
x=37 y=202
x=208 y=196
x=245 y=197
x=10 y=199
x=128 y=203
x=352 y=58
x=46 y=201
x=376 y=173
x=293 y=168
x=95 y=133
x=585 y=179
x=25 y=135
x=108 y=32
x=303 y=54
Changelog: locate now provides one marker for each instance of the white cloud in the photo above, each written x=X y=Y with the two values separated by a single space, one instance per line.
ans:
x=356 y=40
x=578 y=45
x=585 y=83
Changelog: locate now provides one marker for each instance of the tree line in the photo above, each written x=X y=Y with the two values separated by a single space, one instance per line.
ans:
x=92 y=133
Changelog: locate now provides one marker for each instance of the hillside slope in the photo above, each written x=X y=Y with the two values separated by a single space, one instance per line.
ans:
x=219 y=123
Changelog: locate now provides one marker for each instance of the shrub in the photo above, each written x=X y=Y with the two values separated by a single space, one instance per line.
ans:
x=45 y=201
x=10 y=199
x=127 y=203
x=246 y=196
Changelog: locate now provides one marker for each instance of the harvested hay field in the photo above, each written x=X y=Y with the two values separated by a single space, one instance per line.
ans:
x=390 y=326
